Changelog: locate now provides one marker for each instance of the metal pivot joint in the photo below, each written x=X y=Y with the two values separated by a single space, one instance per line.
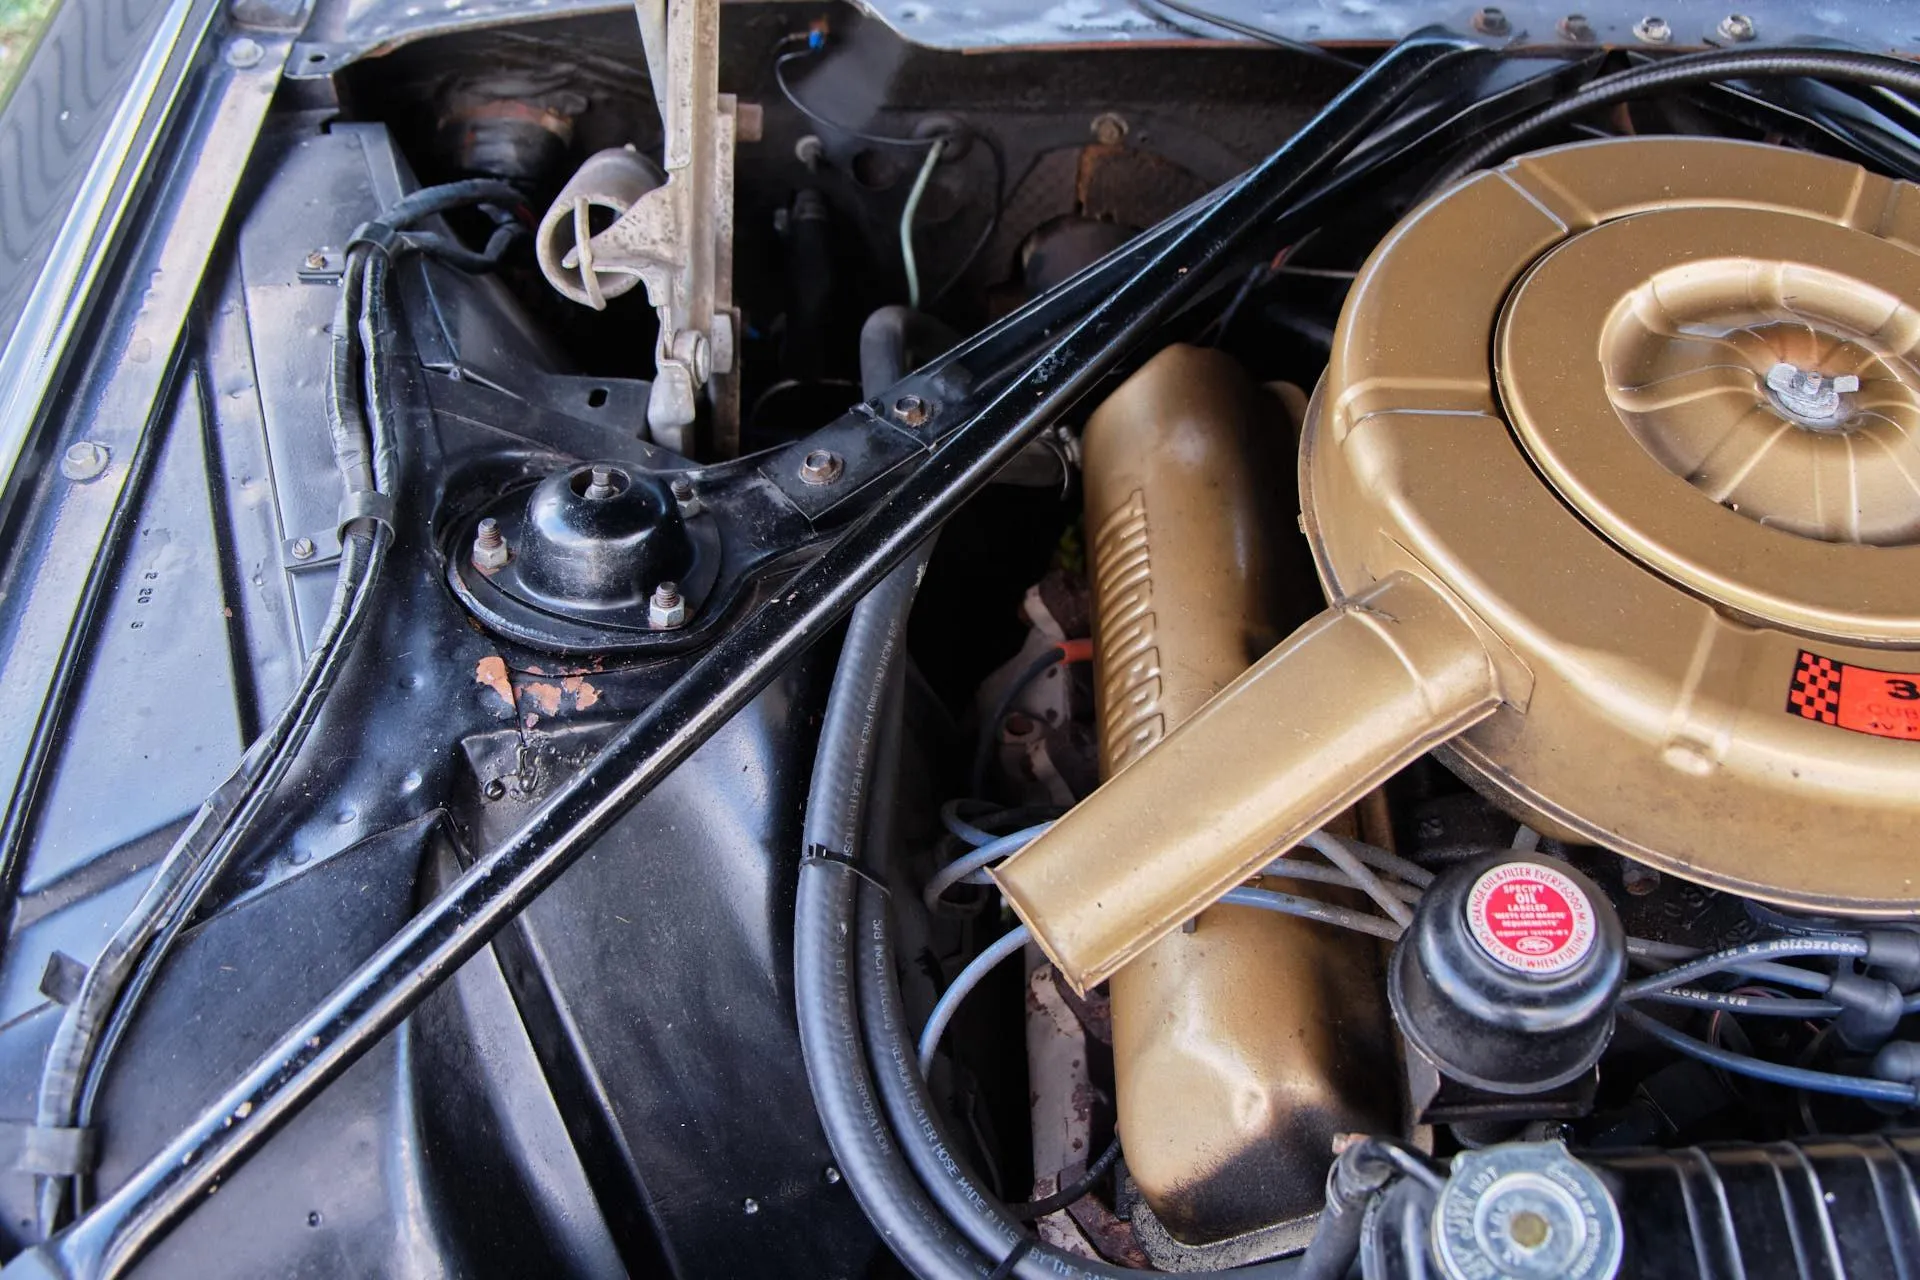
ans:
x=676 y=238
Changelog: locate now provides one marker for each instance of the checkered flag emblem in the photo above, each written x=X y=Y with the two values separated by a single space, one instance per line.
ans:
x=1815 y=694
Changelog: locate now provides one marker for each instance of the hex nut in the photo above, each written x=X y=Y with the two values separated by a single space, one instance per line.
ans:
x=1576 y=29
x=490 y=550
x=1638 y=880
x=821 y=467
x=1737 y=27
x=1109 y=129
x=84 y=460
x=1492 y=22
x=303 y=548
x=667 y=608
x=600 y=485
x=912 y=410
x=244 y=52
x=1653 y=29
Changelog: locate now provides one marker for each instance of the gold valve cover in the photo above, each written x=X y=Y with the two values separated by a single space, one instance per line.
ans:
x=1550 y=398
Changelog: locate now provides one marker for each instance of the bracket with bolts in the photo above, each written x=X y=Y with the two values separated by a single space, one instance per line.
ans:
x=675 y=239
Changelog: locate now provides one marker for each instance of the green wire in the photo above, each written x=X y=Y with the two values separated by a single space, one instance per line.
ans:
x=906 y=220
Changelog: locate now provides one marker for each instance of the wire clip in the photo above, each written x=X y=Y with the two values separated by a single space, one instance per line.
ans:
x=366 y=504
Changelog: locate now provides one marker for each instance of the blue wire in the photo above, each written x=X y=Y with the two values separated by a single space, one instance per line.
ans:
x=950 y=819
x=1776 y=948
x=968 y=978
x=1739 y=1064
x=1730 y=1002
x=969 y=866
x=1313 y=909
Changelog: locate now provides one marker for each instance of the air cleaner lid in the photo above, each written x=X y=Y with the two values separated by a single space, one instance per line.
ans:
x=1604 y=398
x=1796 y=504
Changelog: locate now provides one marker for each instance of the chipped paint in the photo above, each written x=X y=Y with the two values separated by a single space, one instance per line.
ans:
x=535 y=699
x=491 y=671
x=584 y=695
x=544 y=697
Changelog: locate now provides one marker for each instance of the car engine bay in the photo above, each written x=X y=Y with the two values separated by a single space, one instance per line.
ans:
x=737 y=644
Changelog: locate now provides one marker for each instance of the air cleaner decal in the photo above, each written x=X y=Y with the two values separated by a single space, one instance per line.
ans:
x=1885 y=704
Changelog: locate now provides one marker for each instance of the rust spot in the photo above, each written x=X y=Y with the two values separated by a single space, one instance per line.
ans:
x=1132 y=186
x=491 y=671
x=544 y=697
x=584 y=694
x=1113 y=1238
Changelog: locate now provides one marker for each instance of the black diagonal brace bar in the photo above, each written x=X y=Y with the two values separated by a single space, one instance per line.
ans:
x=1111 y=321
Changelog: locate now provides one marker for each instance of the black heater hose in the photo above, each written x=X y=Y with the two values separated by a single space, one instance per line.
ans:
x=1684 y=72
x=859 y=1053
x=988 y=1223
x=843 y=1092
x=831 y=946
x=863 y=699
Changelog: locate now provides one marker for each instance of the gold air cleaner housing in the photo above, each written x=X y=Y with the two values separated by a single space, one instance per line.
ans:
x=1614 y=482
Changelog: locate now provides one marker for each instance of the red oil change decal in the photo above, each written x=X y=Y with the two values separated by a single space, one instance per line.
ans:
x=1885 y=704
x=1530 y=918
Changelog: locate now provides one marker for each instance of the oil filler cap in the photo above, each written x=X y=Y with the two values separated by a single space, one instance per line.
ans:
x=1508 y=976
x=1525 y=1211
x=1531 y=918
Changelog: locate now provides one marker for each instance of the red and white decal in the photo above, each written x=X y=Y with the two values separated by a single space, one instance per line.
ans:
x=1531 y=918
x=1885 y=704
